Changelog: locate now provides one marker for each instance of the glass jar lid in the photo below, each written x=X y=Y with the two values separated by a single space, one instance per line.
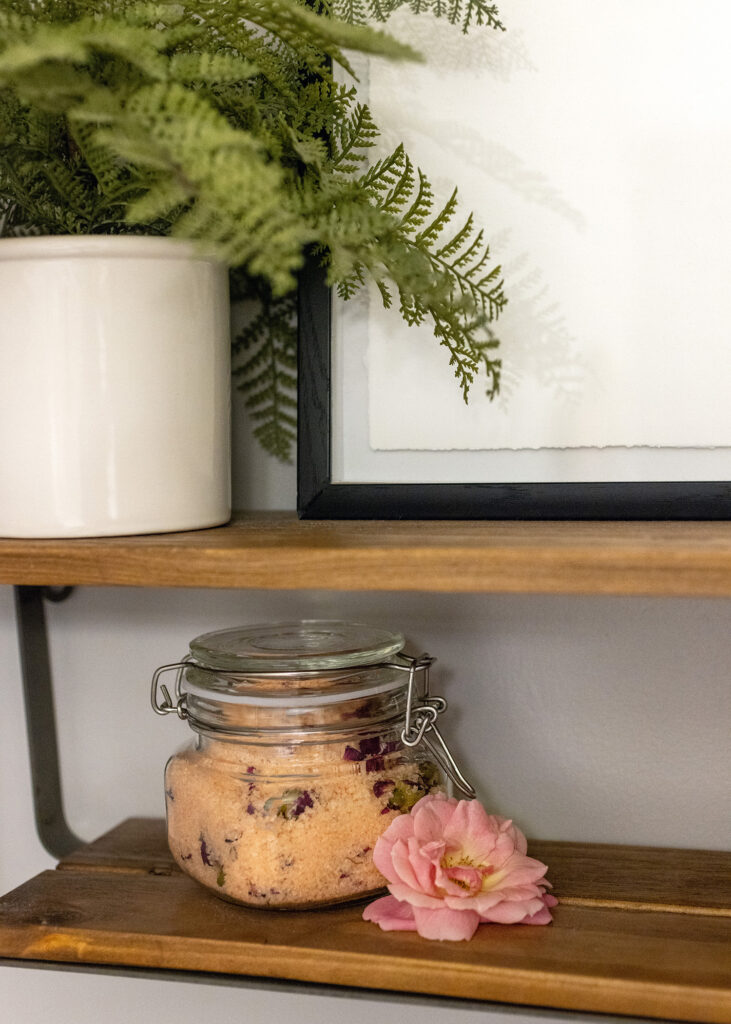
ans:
x=310 y=645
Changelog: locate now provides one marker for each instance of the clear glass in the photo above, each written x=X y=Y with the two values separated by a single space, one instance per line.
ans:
x=288 y=817
x=295 y=646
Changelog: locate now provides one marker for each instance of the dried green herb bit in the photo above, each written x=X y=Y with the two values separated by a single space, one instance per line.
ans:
x=429 y=776
x=291 y=804
x=408 y=792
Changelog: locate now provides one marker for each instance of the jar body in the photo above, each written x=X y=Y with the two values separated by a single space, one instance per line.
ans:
x=291 y=822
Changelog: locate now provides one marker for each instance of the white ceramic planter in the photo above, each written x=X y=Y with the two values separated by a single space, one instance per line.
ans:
x=115 y=387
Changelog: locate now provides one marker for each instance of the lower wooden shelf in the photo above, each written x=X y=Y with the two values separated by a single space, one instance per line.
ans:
x=640 y=931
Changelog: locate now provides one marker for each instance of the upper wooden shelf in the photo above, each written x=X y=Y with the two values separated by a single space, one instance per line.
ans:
x=277 y=551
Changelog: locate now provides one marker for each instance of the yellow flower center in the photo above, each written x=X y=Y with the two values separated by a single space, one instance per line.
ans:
x=459 y=859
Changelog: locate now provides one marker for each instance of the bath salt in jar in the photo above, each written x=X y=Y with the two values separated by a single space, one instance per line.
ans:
x=309 y=738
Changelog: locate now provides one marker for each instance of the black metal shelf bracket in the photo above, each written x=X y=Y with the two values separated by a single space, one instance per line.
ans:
x=40 y=716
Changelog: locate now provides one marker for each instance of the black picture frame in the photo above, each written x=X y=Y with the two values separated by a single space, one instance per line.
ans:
x=318 y=497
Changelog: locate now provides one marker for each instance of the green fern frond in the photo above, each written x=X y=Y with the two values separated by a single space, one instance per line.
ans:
x=315 y=39
x=476 y=12
x=309 y=150
x=476 y=249
x=265 y=363
x=296 y=24
x=28 y=48
x=158 y=201
x=458 y=12
x=210 y=68
x=348 y=139
x=455 y=244
x=422 y=204
x=383 y=174
x=402 y=188
x=75 y=43
x=115 y=182
x=432 y=231
x=74 y=187
x=444 y=279
x=348 y=285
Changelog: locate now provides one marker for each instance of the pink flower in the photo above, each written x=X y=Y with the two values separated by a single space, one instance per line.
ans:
x=450 y=866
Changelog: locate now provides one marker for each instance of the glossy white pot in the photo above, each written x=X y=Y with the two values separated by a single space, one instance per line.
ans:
x=115 y=387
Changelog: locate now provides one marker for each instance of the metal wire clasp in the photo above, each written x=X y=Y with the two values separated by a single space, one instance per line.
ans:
x=420 y=721
x=167 y=707
x=422 y=711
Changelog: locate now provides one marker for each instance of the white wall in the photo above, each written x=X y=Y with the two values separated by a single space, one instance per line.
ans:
x=601 y=719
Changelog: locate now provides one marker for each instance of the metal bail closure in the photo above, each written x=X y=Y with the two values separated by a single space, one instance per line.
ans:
x=422 y=711
x=167 y=707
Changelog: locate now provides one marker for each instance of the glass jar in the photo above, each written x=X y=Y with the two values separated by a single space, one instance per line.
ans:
x=302 y=756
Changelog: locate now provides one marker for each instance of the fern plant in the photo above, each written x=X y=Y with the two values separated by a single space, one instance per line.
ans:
x=222 y=121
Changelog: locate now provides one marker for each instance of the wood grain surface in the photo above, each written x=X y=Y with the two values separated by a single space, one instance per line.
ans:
x=121 y=901
x=278 y=551
x=583 y=874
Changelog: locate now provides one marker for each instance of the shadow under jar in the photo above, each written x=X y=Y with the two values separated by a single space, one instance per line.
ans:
x=298 y=763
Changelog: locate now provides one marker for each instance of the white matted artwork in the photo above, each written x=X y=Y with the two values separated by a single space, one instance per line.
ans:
x=593 y=142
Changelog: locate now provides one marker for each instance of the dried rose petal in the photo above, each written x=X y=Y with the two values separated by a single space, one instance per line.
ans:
x=370 y=746
x=301 y=804
x=290 y=804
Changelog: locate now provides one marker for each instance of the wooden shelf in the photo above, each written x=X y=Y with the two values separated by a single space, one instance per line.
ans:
x=638 y=931
x=276 y=551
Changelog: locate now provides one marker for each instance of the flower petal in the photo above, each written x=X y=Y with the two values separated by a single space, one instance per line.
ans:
x=471 y=827
x=518 y=892
x=542 y=917
x=431 y=816
x=514 y=912
x=469 y=879
x=505 y=842
x=522 y=870
x=391 y=914
x=414 y=896
x=401 y=828
x=402 y=868
x=459 y=882
x=443 y=923
x=425 y=862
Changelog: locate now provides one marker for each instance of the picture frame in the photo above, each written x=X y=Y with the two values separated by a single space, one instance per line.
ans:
x=319 y=496
x=616 y=380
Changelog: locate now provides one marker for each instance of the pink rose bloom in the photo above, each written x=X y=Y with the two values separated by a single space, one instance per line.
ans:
x=450 y=866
